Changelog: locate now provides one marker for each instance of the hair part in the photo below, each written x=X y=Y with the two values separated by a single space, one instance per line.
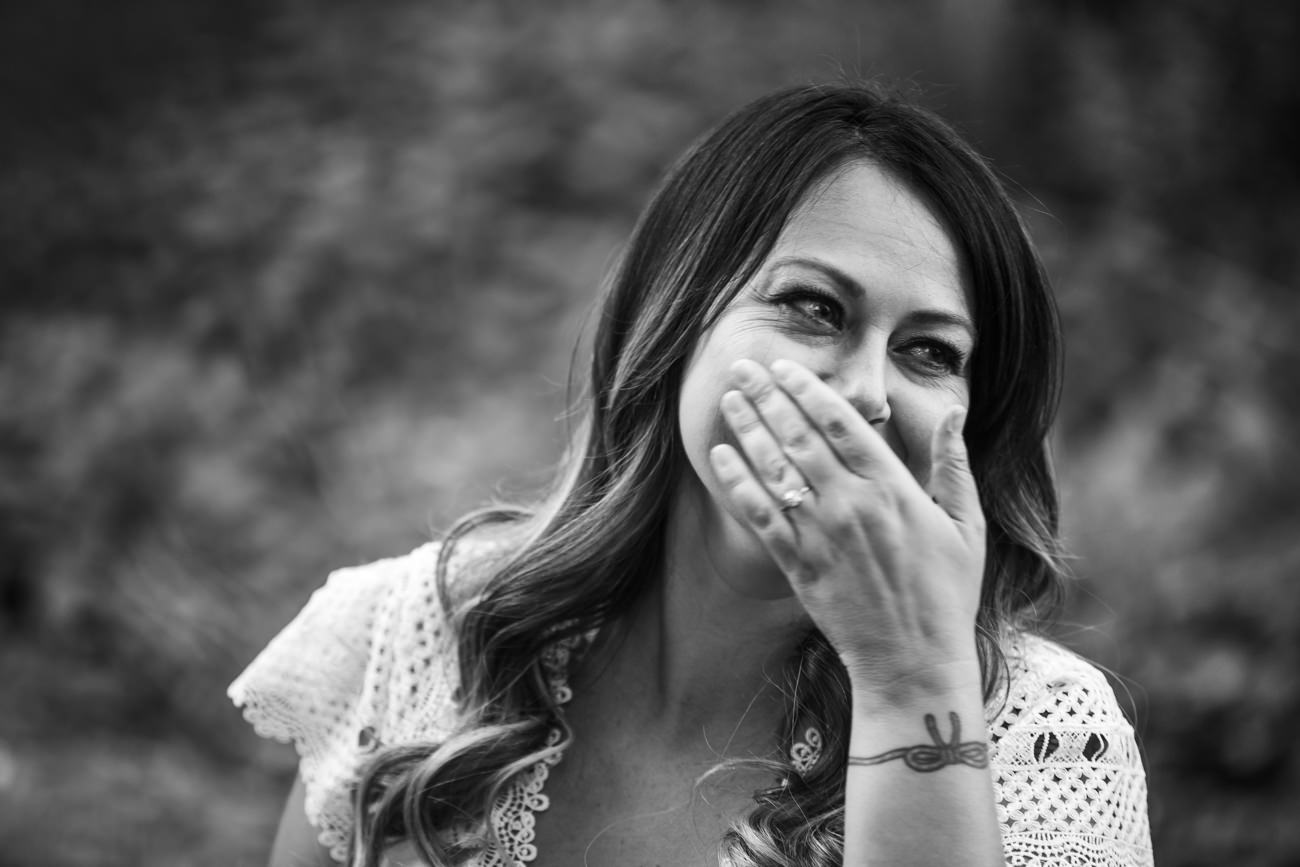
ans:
x=582 y=558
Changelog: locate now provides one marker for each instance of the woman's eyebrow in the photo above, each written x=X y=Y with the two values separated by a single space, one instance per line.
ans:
x=931 y=316
x=926 y=316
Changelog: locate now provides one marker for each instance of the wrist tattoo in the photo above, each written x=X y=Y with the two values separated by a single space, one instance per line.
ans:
x=932 y=757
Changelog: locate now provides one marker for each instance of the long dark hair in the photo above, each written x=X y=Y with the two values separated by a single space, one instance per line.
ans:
x=581 y=558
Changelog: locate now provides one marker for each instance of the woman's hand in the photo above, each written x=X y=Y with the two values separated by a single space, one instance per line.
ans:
x=889 y=571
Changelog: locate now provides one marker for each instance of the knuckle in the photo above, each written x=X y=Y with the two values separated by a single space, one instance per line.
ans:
x=798 y=440
x=884 y=523
x=775 y=470
x=759 y=515
x=795 y=386
x=763 y=392
x=884 y=496
x=835 y=428
x=786 y=555
x=841 y=521
x=857 y=460
x=731 y=477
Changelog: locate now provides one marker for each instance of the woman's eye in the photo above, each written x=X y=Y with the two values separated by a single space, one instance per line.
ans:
x=814 y=307
x=937 y=356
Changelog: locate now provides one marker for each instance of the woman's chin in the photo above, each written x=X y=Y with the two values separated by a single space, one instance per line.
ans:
x=749 y=570
x=735 y=554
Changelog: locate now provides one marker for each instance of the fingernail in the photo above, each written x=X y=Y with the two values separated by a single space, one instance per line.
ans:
x=957 y=420
x=743 y=371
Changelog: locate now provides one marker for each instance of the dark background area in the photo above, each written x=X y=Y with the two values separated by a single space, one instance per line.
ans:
x=286 y=285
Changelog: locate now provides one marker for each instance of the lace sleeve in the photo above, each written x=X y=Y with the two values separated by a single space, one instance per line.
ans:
x=1069 y=778
x=368 y=661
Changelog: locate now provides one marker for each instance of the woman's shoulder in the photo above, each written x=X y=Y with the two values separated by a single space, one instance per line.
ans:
x=369 y=661
x=380 y=635
x=1057 y=708
x=361 y=592
x=1047 y=684
x=407 y=586
x=1039 y=662
x=1067 y=768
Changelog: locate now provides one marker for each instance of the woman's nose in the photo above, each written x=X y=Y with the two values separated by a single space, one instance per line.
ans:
x=864 y=386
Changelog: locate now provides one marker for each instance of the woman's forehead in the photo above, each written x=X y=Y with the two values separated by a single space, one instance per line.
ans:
x=866 y=225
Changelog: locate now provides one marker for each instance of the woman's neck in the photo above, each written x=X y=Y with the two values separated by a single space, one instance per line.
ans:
x=697 y=654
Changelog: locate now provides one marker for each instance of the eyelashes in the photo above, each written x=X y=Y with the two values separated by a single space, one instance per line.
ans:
x=937 y=355
x=812 y=306
x=820 y=313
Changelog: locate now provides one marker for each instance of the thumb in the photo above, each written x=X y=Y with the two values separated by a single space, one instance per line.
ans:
x=951 y=483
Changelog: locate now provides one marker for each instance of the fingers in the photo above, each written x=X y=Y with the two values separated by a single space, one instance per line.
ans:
x=792 y=428
x=773 y=469
x=784 y=449
x=848 y=435
x=951 y=482
x=756 y=507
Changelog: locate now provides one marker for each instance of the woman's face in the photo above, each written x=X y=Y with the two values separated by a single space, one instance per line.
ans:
x=864 y=288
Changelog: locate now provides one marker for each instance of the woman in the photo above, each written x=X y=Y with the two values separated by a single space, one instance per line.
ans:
x=776 y=610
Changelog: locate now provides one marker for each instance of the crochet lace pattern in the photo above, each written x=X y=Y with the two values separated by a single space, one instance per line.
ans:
x=513 y=815
x=371 y=660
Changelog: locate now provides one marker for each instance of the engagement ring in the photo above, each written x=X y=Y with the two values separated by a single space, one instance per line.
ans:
x=794 y=499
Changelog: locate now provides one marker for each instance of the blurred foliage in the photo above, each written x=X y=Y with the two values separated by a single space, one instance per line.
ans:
x=286 y=285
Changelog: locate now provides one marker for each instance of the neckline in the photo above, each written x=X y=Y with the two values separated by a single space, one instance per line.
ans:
x=514 y=815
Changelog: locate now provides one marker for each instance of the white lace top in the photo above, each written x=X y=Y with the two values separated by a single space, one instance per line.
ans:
x=371 y=660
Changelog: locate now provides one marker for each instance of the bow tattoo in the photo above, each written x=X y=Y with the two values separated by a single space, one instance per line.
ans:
x=932 y=757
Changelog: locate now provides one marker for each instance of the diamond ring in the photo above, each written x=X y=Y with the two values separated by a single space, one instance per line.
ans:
x=794 y=499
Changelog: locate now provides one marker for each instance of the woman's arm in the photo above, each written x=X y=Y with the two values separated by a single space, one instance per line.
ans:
x=919 y=789
x=296 y=840
x=890 y=572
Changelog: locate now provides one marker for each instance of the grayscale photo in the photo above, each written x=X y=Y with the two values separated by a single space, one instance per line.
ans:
x=649 y=433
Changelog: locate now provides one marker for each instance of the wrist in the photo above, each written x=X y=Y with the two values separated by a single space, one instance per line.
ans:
x=876 y=690
x=943 y=744
x=906 y=715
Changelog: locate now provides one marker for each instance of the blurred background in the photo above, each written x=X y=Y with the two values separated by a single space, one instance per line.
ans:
x=286 y=285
